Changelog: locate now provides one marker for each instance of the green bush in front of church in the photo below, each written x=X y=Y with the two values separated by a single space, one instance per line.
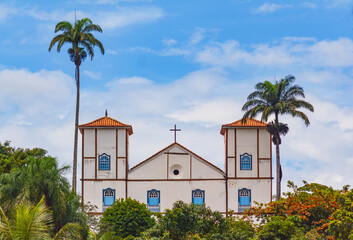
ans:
x=190 y=221
x=126 y=218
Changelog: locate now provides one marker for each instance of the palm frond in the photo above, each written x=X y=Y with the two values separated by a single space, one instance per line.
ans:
x=5 y=227
x=91 y=28
x=33 y=222
x=100 y=45
x=69 y=231
x=64 y=26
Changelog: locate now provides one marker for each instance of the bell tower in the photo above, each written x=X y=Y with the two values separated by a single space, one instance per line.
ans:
x=105 y=158
x=248 y=163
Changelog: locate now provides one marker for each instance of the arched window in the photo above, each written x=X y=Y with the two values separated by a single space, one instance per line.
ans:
x=108 y=196
x=244 y=199
x=198 y=197
x=153 y=200
x=104 y=162
x=245 y=161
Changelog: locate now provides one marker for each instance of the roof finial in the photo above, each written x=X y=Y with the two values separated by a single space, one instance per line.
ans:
x=106 y=112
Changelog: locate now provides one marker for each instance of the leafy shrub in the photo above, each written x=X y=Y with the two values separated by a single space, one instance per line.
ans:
x=126 y=218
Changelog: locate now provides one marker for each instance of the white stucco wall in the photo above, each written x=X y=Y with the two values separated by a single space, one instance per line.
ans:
x=106 y=143
x=121 y=143
x=93 y=191
x=155 y=168
x=89 y=142
x=247 y=143
x=171 y=191
x=260 y=191
x=264 y=144
x=265 y=168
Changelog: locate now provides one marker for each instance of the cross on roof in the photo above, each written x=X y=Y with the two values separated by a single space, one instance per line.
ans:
x=175 y=130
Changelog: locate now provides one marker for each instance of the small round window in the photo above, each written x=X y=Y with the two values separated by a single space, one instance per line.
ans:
x=176 y=172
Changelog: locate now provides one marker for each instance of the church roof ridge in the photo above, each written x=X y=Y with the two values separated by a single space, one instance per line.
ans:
x=106 y=122
x=178 y=144
x=250 y=122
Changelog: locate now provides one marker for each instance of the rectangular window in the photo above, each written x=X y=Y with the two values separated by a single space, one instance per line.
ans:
x=153 y=200
x=245 y=162
x=104 y=162
x=108 y=197
x=244 y=199
x=198 y=197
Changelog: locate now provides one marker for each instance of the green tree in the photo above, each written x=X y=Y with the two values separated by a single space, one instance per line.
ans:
x=277 y=229
x=277 y=99
x=341 y=224
x=185 y=221
x=42 y=177
x=126 y=218
x=11 y=157
x=33 y=222
x=82 y=43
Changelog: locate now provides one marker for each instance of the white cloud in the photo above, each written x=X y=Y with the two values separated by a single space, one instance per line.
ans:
x=197 y=36
x=308 y=5
x=6 y=11
x=306 y=52
x=270 y=7
x=39 y=110
x=91 y=74
x=338 y=3
x=169 y=41
x=230 y=53
x=123 y=17
x=115 y=18
x=175 y=52
x=130 y=80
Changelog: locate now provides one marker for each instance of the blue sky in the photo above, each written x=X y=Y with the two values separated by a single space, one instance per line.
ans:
x=190 y=63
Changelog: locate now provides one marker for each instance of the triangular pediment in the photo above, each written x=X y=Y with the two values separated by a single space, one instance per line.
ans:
x=160 y=165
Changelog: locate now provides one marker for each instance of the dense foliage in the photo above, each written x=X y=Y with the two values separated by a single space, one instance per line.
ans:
x=34 y=222
x=39 y=175
x=126 y=218
x=189 y=221
x=11 y=157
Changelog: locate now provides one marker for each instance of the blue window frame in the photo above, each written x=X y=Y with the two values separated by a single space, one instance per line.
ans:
x=153 y=200
x=245 y=162
x=244 y=196
x=104 y=162
x=198 y=197
x=108 y=196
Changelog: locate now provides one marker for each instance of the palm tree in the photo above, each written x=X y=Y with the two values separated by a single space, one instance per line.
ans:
x=279 y=98
x=82 y=43
x=34 y=222
x=41 y=177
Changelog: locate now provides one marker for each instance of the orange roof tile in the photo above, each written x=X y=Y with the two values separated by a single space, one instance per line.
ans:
x=250 y=122
x=107 y=122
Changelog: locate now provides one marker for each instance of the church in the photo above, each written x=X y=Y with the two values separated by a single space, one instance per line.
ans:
x=175 y=172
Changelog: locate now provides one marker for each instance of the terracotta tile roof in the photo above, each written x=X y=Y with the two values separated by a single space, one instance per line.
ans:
x=250 y=122
x=106 y=122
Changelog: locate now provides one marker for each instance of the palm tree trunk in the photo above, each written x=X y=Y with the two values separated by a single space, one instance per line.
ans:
x=278 y=168
x=74 y=169
x=278 y=163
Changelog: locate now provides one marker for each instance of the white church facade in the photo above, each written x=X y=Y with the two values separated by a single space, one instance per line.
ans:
x=176 y=173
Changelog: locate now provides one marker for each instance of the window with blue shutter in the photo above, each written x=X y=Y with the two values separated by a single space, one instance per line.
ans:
x=245 y=161
x=108 y=196
x=153 y=200
x=198 y=197
x=244 y=199
x=104 y=162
